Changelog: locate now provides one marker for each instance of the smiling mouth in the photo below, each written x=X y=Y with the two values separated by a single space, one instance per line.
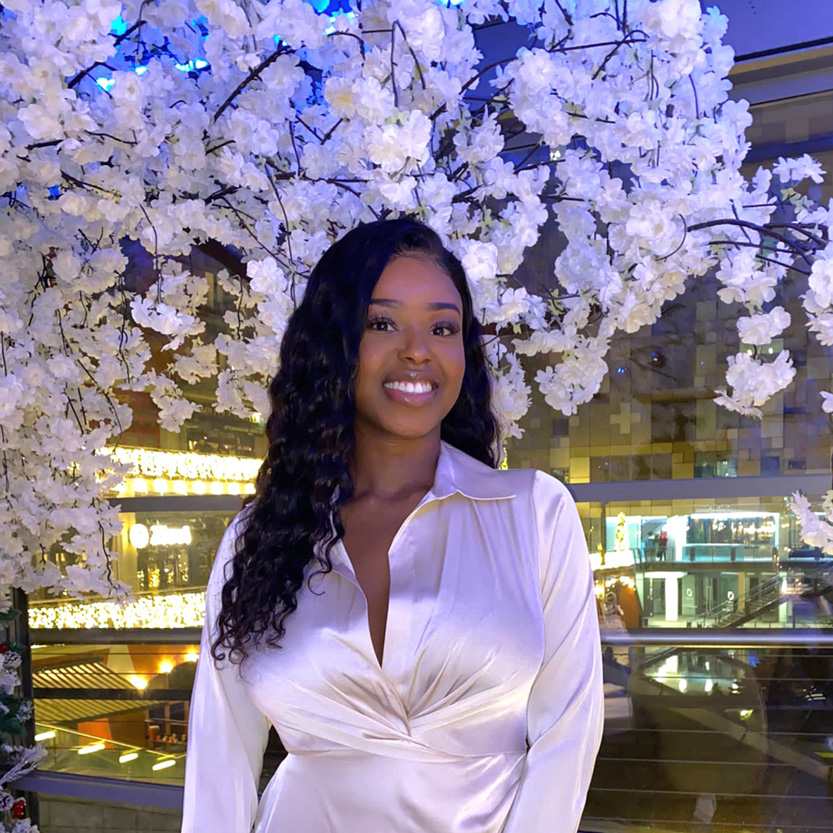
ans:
x=411 y=398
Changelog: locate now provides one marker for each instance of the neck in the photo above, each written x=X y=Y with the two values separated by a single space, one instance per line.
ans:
x=394 y=468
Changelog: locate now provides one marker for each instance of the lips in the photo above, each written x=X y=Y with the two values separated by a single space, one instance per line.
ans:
x=413 y=399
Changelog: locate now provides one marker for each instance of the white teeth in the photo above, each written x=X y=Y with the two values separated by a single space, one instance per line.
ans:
x=409 y=387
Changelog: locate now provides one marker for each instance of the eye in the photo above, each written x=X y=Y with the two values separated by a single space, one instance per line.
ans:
x=379 y=319
x=451 y=326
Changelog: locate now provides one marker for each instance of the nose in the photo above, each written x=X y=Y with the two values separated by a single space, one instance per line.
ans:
x=414 y=345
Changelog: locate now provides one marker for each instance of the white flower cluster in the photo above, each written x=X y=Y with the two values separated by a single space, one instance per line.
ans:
x=259 y=132
x=815 y=531
x=9 y=664
x=15 y=761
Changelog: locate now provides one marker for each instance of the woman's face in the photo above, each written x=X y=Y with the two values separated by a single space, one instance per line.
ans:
x=414 y=330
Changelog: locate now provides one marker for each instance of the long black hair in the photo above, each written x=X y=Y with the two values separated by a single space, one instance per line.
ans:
x=305 y=478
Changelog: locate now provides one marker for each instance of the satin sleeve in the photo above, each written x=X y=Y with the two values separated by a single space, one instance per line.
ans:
x=565 y=713
x=227 y=734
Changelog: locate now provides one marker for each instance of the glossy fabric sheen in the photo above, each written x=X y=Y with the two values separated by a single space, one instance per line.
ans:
x=491 y=645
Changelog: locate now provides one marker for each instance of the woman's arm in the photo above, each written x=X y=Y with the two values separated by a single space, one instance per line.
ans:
x=227 y=734
x=566 y=706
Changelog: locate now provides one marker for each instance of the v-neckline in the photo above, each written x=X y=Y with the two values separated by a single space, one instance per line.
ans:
x=385 y=663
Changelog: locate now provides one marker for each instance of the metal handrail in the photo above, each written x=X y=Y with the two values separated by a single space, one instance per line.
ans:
x=663 y=637
x=115 y=636
x=720 y=637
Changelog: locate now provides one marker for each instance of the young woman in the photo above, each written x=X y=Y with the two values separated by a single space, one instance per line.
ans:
x=419 y=627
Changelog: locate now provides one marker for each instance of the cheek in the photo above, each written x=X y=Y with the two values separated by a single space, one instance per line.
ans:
x=458 y=361
x=369 y=362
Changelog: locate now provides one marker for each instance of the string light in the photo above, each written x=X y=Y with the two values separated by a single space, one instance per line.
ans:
x=184 y=472
x=186 y=465
x=173 y=610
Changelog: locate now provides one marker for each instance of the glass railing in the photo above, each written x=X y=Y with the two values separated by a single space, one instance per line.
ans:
x=118 y=710
x=715 y=731
x=705 y=729
x=648 y=554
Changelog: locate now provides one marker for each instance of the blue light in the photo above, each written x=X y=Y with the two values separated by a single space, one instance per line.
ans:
x=620 y=370
x=119 y=26
x=191 y=66
x=332 y=27
x=54 y=192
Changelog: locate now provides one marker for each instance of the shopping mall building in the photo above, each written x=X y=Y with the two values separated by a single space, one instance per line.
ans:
x=720 y=608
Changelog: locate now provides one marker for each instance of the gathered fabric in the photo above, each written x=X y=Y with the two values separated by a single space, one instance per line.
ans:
x=485 y=715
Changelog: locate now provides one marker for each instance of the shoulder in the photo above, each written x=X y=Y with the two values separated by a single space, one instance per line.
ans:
x=549 y=491
x=552 y=504
x=477 y=479
x=561 y=539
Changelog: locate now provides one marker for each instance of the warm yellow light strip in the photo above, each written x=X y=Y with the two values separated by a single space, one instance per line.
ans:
x=140 y=487
x=186 y=465
x=175 y=610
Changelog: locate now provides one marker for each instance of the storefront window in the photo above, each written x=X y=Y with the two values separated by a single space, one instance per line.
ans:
x=688 y=563
x=169 y=550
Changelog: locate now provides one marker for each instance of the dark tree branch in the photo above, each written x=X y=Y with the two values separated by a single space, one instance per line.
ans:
x=76 y=79
x=281 y=50
x=766 y=229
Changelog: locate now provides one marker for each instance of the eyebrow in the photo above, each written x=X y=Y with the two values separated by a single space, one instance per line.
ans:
x=390 y=302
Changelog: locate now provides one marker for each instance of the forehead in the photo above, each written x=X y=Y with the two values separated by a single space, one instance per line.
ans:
x=413 y=280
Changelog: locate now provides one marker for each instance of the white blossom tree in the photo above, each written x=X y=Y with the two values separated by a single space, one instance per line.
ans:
x=260 y=132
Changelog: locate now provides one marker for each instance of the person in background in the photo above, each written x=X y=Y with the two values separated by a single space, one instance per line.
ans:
x=662 y=545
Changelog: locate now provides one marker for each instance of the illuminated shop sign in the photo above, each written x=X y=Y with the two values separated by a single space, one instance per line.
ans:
x=159 y=535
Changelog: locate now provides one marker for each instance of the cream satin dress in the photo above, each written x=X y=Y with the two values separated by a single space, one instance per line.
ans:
x=486 y=713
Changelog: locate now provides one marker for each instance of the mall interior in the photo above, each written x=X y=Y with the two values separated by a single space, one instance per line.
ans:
x=717 y=620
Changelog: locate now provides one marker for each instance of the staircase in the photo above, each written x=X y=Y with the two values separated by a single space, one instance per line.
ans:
x=726 y=615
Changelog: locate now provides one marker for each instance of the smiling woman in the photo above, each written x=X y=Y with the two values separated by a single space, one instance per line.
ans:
x=447 y=652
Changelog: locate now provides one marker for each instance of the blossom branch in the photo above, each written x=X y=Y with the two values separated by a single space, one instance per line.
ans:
x=281 y=50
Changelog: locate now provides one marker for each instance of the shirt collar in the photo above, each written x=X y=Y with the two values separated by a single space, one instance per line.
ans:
x=460 y=472
x=456 y=472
